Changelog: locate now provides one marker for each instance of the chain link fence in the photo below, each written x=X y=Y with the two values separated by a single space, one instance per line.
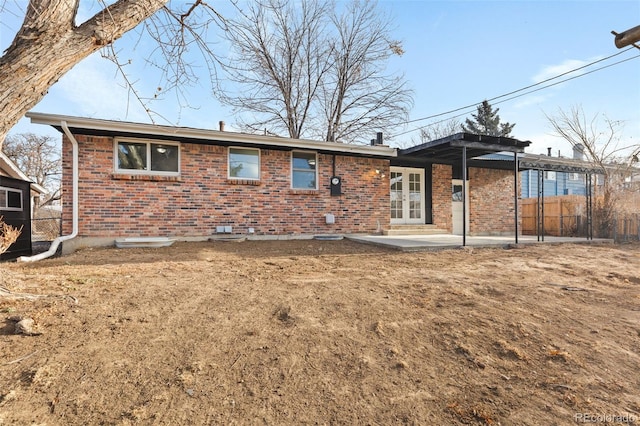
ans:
x=46 y=224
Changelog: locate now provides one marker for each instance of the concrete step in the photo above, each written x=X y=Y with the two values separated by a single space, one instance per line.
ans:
x=414 y=230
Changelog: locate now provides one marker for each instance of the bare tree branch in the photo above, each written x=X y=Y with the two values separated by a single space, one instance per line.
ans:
x=49 y=43
x=38 y=157
x=306 y=70
x=599 y=139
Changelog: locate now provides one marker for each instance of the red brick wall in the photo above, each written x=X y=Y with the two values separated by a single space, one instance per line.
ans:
x=202 y=198
x=491 y=202
x=441 y=196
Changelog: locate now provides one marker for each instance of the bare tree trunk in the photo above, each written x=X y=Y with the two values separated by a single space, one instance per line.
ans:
x=49 y=44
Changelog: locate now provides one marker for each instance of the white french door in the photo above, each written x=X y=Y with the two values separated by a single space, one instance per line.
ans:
x=407 y=195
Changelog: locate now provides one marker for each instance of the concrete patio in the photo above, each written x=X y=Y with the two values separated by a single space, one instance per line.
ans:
x=448 y=241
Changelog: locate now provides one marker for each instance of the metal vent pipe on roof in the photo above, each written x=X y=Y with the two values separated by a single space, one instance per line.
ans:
x=221 y=125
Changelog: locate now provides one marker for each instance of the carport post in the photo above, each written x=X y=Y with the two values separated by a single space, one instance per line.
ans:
x=515 y=190
x=539 y=204
x=589 y=193
x=464 y=196
x=540 y=209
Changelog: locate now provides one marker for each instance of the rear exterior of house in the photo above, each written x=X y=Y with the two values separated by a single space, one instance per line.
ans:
x=136 y=184
x=141 y=180
x=432 y=195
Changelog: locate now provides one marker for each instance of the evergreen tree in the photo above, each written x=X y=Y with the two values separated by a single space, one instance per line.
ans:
x=487 y=122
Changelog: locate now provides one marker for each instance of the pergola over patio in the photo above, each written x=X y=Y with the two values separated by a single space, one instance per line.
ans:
x=467 y=150
x=544 y=163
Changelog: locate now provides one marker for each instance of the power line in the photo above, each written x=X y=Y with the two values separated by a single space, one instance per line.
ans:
x=466 y=107
x=520 y=95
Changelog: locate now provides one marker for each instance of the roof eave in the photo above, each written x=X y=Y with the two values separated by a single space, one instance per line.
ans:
x=11 y=168
x=208 y=135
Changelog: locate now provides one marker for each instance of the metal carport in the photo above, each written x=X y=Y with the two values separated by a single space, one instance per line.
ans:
x=466 y=150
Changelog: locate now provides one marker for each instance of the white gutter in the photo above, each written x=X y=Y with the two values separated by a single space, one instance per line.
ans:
x=74 y=231
x=207 y=136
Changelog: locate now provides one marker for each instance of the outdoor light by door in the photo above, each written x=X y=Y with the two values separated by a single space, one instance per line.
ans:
x=336 y=185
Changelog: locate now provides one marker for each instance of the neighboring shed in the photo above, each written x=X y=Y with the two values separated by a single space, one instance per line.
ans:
x=16 y=204
x=15 y=208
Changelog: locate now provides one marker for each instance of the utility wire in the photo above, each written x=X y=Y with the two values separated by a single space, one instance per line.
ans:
x=467 y=111
x=522 y=89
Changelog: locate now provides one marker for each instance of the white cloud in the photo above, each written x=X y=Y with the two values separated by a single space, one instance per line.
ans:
x=533 y=100
x=567 y=65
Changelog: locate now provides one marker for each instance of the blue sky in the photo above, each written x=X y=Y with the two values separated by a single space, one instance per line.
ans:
x=458 y=53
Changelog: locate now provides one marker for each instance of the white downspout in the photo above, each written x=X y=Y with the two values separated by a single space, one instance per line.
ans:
x=74 y=231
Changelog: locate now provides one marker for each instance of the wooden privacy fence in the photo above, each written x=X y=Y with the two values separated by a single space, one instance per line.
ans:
x=566 y=216
x=626 y=227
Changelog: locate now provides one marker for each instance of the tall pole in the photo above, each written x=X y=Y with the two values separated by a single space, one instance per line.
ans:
x=464 y=196
x=589 y=183
x=542 y=200
x=539 y=219
x=515 y=191
x=628 y=37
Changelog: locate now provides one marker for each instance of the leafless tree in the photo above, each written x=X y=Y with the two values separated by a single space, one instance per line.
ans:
x=51 y=41
x=432 y=131
x=359 y=96
x=600 y=139
x=440 y=129
x=39 y=158
x=306 y=70
x=279 y=60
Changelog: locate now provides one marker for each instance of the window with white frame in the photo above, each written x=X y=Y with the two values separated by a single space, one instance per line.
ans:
x=10 y=199
x=574 y=176
x=304 y=170
x=244 y=163
x=147 y=157
x=549 y=175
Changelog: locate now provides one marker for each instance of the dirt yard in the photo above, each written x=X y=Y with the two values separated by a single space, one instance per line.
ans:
x=323 y=332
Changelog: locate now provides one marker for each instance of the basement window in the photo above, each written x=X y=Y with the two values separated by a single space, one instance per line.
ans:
x=304 y=170
x=10 y=199
x=146 y=157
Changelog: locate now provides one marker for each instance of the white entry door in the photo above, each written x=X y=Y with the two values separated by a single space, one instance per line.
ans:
x=456 y=206
x=407 y=195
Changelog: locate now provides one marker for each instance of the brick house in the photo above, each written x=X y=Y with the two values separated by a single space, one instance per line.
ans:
x=144 y=180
